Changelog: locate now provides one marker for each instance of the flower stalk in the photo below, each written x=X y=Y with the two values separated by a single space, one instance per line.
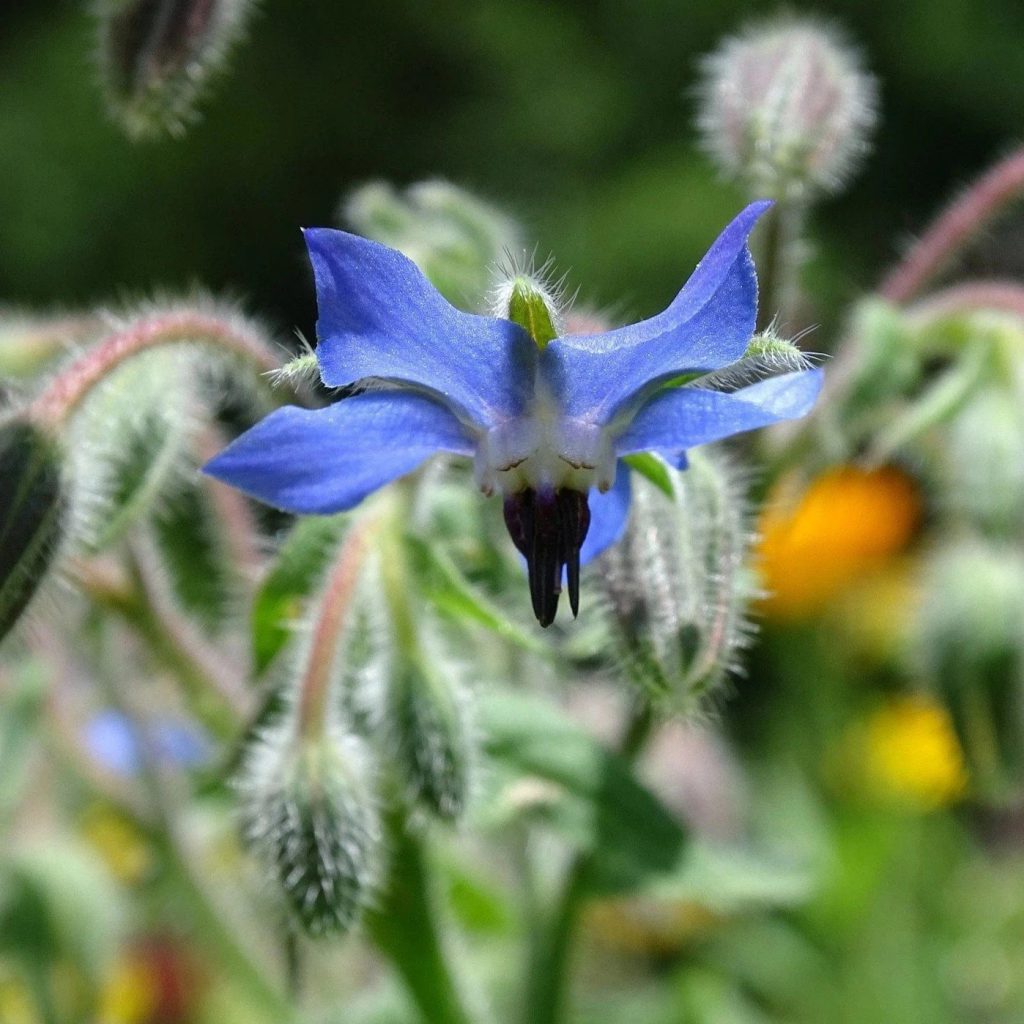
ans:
x=66 y=392
x=985 y=200
x=335 y=608
x=549 y=957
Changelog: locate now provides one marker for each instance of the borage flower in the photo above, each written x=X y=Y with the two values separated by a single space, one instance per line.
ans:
x=546 y=419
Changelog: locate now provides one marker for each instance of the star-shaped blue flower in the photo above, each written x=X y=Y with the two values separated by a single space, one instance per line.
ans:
x=546 y=426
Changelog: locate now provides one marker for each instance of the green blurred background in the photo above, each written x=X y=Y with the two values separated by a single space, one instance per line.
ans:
x=576 y=116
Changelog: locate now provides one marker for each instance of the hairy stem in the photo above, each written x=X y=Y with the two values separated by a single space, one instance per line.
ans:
x=549 y=959
x=332 y=614
x=405 y=928
x=213 y=698
x=779 y=263
x=1000 y=296
x=72 y=385
x=955 y=227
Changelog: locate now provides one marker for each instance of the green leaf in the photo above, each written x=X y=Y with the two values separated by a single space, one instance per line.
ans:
x=455 y=596
x=21 y=708
x=295 y=574
x=731 y=879
x=32 y=510
x=594 y=797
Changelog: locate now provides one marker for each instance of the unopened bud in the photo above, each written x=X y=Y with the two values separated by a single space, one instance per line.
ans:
x=158 y=55
x=676 y=583
x=531 y=308
x=131 y=445
x=968 y=642
x=429 y=715
x=32 y=513
x=309 y=815
x=984 y=464
x=453 y=236
x=767 y=355
x=526 y=295
x=787 y=108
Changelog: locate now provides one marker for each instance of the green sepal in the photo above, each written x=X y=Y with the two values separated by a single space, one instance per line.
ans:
x=141 y=473
x=656 y=470
x=529 y=307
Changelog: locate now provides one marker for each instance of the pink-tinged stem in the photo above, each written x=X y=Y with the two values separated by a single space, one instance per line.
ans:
x=954 y=227
x=333 y=613
x=1000 y=296
x=70 y=387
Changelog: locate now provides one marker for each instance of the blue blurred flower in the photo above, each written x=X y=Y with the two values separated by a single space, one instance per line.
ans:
x=117 y=742
x=546 y=426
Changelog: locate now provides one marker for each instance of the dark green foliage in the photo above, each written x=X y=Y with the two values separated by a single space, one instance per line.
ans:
x=32 y=508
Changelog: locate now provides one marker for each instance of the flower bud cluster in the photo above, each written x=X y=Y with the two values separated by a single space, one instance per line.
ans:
x=108 y=435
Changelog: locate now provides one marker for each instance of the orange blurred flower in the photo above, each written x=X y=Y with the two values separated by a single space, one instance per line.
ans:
x=844 y=524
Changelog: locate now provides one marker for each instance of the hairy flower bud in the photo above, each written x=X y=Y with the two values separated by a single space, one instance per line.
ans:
x=157 y=56
x=786 y=107
x=452 y=235
x=32 y=513
x=429 y=721
x=131 y=444
x=984 y=464
x=309 y=815
x=525 y=295
x=676 y=585
x=968 y=642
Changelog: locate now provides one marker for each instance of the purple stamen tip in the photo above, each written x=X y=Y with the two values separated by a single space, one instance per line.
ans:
x=549 y=528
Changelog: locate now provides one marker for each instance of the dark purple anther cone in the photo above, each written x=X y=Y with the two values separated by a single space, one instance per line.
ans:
x=549 y=528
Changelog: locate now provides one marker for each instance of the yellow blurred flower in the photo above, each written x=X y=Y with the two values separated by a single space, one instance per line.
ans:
x=649 y=927
x=130 y=993
x=910 y=752
x=816 y=541
x=15 y=1003
x=123 y=848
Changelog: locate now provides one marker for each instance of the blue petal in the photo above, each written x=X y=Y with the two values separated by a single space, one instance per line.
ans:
x=707 y=326
x=680 y=418
x=608 y=515
x=320 y=461
x=381 y=318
